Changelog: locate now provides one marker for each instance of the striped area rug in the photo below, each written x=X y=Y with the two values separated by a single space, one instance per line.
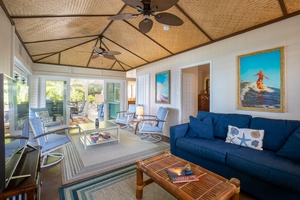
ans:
x=116 y=185
x=79 y=164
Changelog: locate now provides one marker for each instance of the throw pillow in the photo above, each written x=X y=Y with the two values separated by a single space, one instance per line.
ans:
x=154 y=123
x=44 y=116
x=291 y=148
x=245 y=137
x=200 y=128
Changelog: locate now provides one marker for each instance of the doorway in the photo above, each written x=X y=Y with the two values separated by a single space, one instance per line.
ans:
x=56 y=100
x=195 y=90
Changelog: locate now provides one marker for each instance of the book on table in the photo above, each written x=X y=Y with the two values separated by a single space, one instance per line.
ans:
x=180 y=175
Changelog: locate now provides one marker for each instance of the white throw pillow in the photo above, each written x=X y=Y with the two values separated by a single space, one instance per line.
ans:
x=44 y=116
x=245 y=137
x=154 y=123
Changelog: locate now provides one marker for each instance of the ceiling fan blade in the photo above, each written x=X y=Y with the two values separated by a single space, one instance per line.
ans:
x=95 y=56
x=168 y=18
x=134 y=3
x=162 y=5
x=96 y=49
x=123 y=16
x=145 y=25
x=109 y=57
x=112 y=53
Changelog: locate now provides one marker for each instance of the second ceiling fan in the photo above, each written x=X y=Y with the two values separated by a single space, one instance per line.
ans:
x=148 y=8
x=100 y=51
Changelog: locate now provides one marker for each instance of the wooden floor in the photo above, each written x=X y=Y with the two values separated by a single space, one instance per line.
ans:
x=51 y=181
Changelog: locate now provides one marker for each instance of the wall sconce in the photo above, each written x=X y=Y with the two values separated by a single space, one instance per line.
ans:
x=166 y=27
x=139 y=111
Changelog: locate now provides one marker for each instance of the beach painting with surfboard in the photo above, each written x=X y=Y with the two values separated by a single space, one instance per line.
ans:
x=261 y=80
x=162 y=87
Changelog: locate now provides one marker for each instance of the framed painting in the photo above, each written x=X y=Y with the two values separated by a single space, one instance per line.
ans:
x=261 y=81
x=162 y=87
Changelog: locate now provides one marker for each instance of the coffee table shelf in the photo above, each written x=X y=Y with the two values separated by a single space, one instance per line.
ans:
x=104 y=126
x=89 y=141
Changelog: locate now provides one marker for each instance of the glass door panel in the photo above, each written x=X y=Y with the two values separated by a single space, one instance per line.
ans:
x=112 y=100
x=95 y=99
x=56 y=100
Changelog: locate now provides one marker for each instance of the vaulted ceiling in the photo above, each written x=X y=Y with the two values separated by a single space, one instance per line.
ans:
x=63 y=32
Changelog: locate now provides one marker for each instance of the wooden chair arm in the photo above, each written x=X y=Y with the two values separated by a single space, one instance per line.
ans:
x=52 y=131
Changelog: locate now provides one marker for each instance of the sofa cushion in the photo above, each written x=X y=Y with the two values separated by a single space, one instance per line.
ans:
x=276 y=131
x=291 y=148
x=213 y=150
x=221 y=122
x=245 y=137
x=200 y=128
x=267 y=166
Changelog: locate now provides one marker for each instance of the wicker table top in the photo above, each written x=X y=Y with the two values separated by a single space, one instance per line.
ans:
x=209 y=186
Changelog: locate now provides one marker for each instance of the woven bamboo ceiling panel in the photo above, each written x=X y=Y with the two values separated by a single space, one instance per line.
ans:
x=64 y=32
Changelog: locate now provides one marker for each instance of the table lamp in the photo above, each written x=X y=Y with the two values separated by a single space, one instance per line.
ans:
x=139 y=111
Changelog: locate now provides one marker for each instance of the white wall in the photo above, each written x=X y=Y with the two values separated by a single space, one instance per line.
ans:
x=223 y=58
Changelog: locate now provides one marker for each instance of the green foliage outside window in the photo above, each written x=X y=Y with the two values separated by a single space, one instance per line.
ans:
x=77 y=92
x=55 y=90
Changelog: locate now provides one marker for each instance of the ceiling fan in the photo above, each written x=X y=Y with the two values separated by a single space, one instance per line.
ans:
x=147 y=8
x=100 y=51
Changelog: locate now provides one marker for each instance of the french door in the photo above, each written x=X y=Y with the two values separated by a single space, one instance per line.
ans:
x=114 y=96
x=57 y=99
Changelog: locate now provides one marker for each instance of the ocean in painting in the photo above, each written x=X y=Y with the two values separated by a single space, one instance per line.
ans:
x=250 y=96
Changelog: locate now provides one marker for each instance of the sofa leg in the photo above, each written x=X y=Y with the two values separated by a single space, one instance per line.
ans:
x=237 y=184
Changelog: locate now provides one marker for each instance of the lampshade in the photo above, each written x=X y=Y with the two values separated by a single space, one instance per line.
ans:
x=139 y=110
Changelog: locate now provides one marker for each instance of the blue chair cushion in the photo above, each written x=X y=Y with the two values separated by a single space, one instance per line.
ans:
x=147 y=127
x=213 y=150
x=38 y=127
x=200 y=128
x=161 y=115
x=265 y=165
x=54 y=141
x=291 y=148
x=121 y=120
x=277 y=131
x=221 y=121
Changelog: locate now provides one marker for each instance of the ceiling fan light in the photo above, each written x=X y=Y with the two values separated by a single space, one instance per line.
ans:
x=166 y=27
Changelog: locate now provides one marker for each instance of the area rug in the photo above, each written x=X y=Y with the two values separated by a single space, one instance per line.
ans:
x=79 y=120
x=80 y=164
x=117 y=185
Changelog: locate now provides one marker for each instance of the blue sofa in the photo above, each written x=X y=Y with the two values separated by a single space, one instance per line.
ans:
x=270 y=173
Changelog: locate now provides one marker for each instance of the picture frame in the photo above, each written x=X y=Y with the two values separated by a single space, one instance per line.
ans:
x=261 y=81
x=162 y=87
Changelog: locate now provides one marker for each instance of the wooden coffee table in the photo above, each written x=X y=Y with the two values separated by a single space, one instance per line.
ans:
x=209 y=186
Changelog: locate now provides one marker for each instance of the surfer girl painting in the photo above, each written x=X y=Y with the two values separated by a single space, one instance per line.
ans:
x=261 y=81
